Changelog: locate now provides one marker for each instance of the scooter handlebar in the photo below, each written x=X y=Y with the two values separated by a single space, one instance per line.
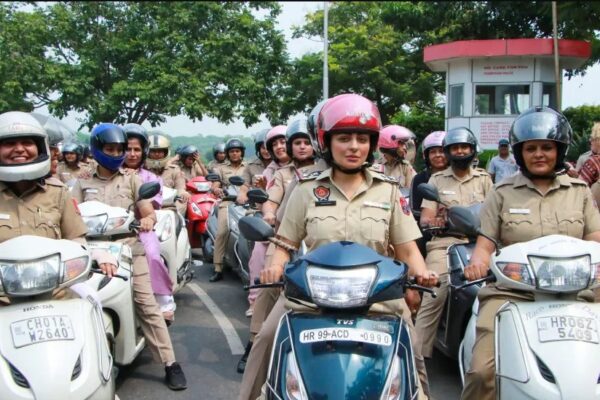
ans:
x=490 y=277
x=258 y=285
x=99 y=271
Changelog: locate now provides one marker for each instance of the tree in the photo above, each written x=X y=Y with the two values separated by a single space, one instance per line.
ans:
x=581 y=119
x=23 y=65
x=138 y=61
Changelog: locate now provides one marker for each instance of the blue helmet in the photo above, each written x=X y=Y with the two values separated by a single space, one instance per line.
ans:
x=105 y=133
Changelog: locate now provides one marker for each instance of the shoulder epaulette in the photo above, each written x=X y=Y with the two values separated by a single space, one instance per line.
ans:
x=54 y=182
x=308 y=175
x=377 y=167
x=385 y=178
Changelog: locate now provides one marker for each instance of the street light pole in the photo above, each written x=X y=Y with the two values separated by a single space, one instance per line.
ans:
x=325 y=47
x=557 y=71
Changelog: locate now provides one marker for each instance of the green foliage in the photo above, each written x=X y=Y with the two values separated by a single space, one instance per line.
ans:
x=581 y=119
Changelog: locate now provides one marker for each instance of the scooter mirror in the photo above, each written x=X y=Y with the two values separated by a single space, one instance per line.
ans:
x=257 y=196
x=236 y=180
x=212 y=177
x=429 y=192
x=148 y=190
x=255 y=229
x=463 y=220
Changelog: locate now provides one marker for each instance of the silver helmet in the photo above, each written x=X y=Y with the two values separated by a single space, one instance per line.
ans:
x=17 y=124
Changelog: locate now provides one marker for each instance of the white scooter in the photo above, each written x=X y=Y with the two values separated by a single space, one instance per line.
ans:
x=175 y=246
x=104 y=224
x=50 y=349
x=548 y=348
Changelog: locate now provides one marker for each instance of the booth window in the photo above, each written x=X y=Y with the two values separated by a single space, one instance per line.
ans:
x=501 y=99
x=456 y=101
x=549 y=95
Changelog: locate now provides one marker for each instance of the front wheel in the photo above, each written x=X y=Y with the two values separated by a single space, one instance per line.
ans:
x=208 y=248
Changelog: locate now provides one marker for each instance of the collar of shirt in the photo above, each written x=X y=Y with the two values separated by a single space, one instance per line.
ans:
x=450 y=173
x=521 y=180
x=327 y=176
x=96 y=175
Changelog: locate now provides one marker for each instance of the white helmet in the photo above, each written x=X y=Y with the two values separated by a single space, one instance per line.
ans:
x=17 y=124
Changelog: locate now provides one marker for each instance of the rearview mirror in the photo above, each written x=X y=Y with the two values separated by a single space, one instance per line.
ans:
x=148 y=190
x=236 y=180
x=429 y=192
x=212 y=177
x=257 y=196
x=463 y=220
x=255 y=229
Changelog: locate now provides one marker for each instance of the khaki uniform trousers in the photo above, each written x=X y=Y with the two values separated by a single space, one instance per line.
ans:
x=151 y=318
x=222 y=235
x=265 y=300
x=430 y=312
x=257 y=366
x=480 y=379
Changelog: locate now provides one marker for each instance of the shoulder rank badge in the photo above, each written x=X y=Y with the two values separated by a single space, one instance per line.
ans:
x=405 y=206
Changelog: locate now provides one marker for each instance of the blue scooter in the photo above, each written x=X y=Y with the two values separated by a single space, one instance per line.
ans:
x=332 y=347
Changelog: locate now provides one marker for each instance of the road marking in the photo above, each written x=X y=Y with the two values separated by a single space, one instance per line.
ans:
x=234 y=341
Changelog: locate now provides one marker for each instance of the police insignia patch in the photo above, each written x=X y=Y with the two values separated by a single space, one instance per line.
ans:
x=404 y=205
x=322 y=193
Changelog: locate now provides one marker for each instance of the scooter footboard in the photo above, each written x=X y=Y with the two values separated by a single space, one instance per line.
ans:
x=54 y=350
x=342 y=356
x=548 y=350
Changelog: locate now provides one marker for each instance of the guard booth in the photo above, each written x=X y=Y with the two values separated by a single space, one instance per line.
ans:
x=490 y=82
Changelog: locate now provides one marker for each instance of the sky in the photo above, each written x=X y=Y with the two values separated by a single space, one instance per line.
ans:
x=577 y=91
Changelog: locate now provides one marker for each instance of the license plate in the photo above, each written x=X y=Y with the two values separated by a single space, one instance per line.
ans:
x=41 y=329
x=565 y=327
x=345 y=334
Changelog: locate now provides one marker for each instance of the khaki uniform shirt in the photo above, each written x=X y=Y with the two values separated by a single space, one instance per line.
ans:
x=400 y=169
x=255 y=167
x=47 y=210
x=66 y=173
x=172 y=177
x=455 y=192
x=120 y=190
x=318 y=212
x=213 y=165
x=197 y=169
x=515 y=211
x=227 y=170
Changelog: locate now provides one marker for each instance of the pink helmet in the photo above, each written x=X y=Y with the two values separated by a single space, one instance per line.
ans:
x=390 y=135
x=274 y=133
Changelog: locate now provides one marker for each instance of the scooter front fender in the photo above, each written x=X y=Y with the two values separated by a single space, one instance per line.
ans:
x=340 y=369
x=77 y=368
x=548 y=350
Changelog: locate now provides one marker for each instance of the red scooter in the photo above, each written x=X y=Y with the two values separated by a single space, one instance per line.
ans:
x=199 y=209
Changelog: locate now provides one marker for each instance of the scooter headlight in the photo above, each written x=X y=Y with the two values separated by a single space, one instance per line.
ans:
x=294 y=387
x=203 y=187
x=345 y=288
x=29 y=278
x=164 y=229
x=195 y=208
x=95 y=223
x=562 y=274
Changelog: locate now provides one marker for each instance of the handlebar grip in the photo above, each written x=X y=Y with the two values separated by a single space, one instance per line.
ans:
x=134 y=225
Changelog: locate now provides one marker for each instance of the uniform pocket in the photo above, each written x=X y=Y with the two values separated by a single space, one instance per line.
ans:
x=47 y=223
x=321 y=222
x=516 y=227
x=374 y=223
x=570 y=223
x=6 y=229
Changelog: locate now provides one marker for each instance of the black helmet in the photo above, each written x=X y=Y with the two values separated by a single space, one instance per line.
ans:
x=138 y=132
x=297 y=129
x=259 y=139
x=311 y=123
x=218 y=148
x=234 y=143
x=188 y=150
x=540 y=123
x=457 y=136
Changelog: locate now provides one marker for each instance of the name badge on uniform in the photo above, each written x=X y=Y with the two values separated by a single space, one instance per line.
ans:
x=322 y=194
x=448 y=192
x=4 y=217
x=524 y=211
x=91 y=190
x=385 y=206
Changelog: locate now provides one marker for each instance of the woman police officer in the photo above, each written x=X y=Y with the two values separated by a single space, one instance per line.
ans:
x=347 y=201
x=523 y=207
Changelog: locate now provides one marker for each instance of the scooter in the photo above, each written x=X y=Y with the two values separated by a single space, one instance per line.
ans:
x=199 y=209
x=239 y=249
x=174 y=242
x=459 y=303
x=331 y=347
x=547 y=348
x=104 y=224
x=50 y=349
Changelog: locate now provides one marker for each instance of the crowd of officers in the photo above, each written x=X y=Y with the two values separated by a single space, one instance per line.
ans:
x=340 y=192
